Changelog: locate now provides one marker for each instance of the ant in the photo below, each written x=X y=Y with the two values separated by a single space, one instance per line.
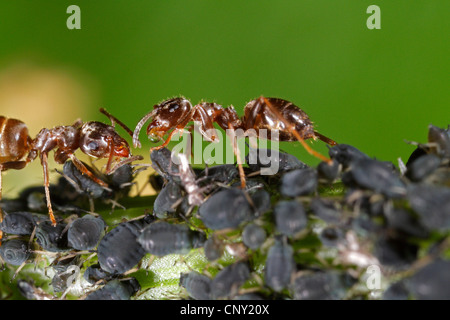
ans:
x=291 y=122
x=96 y=139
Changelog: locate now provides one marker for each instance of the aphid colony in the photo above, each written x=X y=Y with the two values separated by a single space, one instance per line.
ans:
x=301 y=233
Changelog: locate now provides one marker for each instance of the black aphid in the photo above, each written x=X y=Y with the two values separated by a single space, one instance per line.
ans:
x=119 y=250
x=167 y=200
x=52 y=238
x=328 y=171
x=261 y=201
x=432 y=204
x=422 y=167
x=83 y=184
x=162 y=238
x=19 y=223
x=346 y=154
x=116 y=290
x=378 y=177
x=325 y=210
x=299 y=182
x=84 y=233
x=164 y=165
x=271 y=161
x=227 y=208
x=213 y=248
x=320 y=286
x=431 y=282
x=280 y=265
x=198 y=286
x=227 y=282
x=94 y=273
x=253 y=236
x=290 y=217
x=15 y=252
x=224 y=173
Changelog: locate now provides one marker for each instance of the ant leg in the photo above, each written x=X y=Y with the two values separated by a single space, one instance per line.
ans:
x=44 y=163
x=114 y=120
x=80 y=166
x=294 y=132
x=238 y=155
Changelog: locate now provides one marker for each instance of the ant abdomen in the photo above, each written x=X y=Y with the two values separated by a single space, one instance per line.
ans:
x=257 y=116
x=14 y=140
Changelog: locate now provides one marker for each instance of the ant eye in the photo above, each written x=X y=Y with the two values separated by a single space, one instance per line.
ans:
x=93 y=146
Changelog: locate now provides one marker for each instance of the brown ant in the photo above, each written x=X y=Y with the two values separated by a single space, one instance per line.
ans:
x=291 y=122
x=96 y=139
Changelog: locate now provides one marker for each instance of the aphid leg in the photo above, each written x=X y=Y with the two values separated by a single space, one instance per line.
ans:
x=114 y=120
x=44 y=163
x=291 y=128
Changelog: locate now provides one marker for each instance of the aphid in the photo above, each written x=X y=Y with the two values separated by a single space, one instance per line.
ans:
x=328 y=172
x=325 y=210
x=31 y=292
x=378 y=177
x=167 y=200
x=439 y=141
x=164 y=165
x=331 y=236
x=19 y=223
x=83 y=184
x=119 y=250
x=422 y=167
x=253 y=236
x=224 y=174
x=227 y=282
x=261 y=201
x=261 y=159
x=320 y=286
x=116 y=290
x=405 y=223
x=432 y=204
x=162 y=238
x=397 y=291
x=213 y=248
x=345 y=154
x=197 y=285
x=395 y=253
x=431 y=281
x=280 y=265
x=290 y=217
x=94 y=273
x=298 y=182
x=227 y=208
x=84 y=233
x=260 y=115
x=15 y=251
x=52 y=238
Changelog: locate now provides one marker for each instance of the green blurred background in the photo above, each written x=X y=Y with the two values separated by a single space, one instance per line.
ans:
x=368 y=88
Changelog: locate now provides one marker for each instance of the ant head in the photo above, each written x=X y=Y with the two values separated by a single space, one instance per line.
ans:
x=168 y=115
x=99 y=140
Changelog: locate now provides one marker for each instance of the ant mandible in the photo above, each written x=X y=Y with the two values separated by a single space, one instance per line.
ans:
x=291 y=122
x=96 y=139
